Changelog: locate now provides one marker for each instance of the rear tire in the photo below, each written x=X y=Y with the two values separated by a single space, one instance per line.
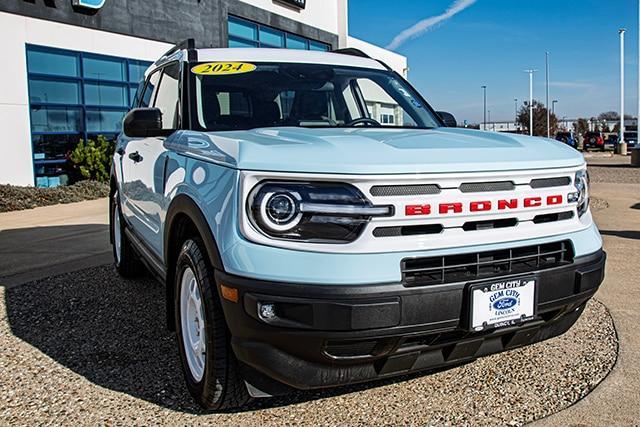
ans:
x=208 y=362
x=125 y=259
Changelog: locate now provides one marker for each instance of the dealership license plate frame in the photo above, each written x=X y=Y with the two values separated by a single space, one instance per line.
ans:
x=480 y=291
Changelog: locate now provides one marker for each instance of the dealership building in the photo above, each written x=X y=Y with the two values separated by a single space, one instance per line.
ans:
x=72 y=67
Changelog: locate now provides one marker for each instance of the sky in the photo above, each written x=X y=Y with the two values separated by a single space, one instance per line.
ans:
x=470 y=43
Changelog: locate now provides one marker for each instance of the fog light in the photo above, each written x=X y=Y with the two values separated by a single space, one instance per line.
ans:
x=267 y=311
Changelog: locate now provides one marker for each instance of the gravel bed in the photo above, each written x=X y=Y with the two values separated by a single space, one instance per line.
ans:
x=14 y=198
x=89 y=348
x=597 y=204
x=616 y=170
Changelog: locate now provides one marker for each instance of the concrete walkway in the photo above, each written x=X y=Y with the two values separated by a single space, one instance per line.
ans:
x=42 y=242
x=616 y=401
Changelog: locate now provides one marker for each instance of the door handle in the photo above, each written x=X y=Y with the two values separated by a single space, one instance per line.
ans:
x=135 y=156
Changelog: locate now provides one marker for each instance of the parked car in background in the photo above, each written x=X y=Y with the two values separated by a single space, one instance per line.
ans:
x=611 y=140
x=631 y=138
x=567 y=138
x=593 y=140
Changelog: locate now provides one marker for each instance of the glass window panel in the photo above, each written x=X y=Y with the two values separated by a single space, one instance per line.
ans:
x=167 y=99
x=54 y=63
x=149 y=90
x=105 y=94
x=133 y=92
x=99 y=120
x=54 y=147
x=59 y=92
x=271 y=37
x=243 y=29
x=136 y=71
x=318 y=46
x=56 y=119
x=103 y=68
x=295 y=42
x=241 y=43
x=55 y=174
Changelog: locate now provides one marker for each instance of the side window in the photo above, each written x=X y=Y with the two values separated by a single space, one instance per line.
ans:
x=150 y=90
x=167 y=98
x=381 y=106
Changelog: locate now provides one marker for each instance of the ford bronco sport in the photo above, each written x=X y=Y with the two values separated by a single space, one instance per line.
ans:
x=316 y=223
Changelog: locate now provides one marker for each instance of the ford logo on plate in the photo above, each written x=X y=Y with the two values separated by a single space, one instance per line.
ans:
x=504 y=303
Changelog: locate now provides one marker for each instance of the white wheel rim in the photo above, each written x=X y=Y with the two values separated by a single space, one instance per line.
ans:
x=192 y=321
x=117 y=237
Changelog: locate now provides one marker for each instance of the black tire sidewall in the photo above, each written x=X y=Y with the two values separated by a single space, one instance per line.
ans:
x=209 y=391
x=115 y=199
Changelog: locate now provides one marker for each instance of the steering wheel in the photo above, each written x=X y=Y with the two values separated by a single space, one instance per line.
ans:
x=364 y=120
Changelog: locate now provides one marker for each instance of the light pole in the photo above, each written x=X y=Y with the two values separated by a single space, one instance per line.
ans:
x=530 y=100
x=546 y=64
x=484 y=119
x=622 y=145
x=553 y=106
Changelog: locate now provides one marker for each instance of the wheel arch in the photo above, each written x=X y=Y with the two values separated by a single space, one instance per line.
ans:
x=184 y=219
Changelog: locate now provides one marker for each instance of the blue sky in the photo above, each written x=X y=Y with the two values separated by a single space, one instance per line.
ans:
x=492 y=41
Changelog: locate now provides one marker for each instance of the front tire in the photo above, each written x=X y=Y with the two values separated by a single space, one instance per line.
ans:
x=125 y=258
x=208 y=362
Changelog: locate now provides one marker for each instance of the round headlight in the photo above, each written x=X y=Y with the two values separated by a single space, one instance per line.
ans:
x=281 y=208
x=279 y=211
x=582 y=185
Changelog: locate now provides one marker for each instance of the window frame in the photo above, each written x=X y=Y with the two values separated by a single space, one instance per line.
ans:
x=260 y=44
x=83 y=132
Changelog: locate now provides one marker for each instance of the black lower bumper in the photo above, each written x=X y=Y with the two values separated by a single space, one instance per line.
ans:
x=325 y=336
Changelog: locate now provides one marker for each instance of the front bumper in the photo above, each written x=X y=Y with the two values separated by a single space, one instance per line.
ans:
x=328 y=336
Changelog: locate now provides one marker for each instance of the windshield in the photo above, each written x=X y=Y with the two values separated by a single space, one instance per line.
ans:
x=304 y=95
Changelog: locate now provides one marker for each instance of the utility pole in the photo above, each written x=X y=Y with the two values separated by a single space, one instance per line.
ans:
x=546 y=63
x=515 y=100
x=622 y=145
x=484 y=120
x=553 y=106
x=530 y=100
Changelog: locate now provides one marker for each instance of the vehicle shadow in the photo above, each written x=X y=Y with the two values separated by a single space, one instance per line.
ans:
x=113 y=332
x=625 y=234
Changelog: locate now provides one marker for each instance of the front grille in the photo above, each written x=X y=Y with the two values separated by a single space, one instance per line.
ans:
x=481 y=265
x=404 y=190
x=481 y=187
x=408 y=230
x=560 y=181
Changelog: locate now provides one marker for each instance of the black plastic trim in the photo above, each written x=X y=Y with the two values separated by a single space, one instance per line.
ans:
x=432 y=319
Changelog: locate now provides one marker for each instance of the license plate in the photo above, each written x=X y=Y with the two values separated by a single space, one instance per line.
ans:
x=501 y=304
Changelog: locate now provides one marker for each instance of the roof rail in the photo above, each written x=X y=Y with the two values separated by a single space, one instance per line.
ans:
x=351 y=51
x=188 y=44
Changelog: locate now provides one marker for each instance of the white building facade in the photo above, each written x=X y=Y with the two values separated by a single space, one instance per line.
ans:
x=75 y=64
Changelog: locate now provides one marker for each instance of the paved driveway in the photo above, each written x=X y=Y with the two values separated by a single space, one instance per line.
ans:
x=45 y=241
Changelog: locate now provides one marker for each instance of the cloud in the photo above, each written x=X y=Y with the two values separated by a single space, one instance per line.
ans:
x=428 y=23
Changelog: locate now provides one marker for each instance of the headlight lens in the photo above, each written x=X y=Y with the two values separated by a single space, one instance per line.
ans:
x=311 y=212
x=581 y=196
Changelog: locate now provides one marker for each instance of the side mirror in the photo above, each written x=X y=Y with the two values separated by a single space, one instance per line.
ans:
x=448 y=119
x=143 y=122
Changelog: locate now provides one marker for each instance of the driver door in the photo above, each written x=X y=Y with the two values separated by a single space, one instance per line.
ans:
x=143 y=160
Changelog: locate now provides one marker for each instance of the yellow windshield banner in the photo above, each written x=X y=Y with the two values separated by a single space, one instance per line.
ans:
x=223 y=68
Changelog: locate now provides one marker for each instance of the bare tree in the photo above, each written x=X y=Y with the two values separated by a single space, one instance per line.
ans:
x=539 y=119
